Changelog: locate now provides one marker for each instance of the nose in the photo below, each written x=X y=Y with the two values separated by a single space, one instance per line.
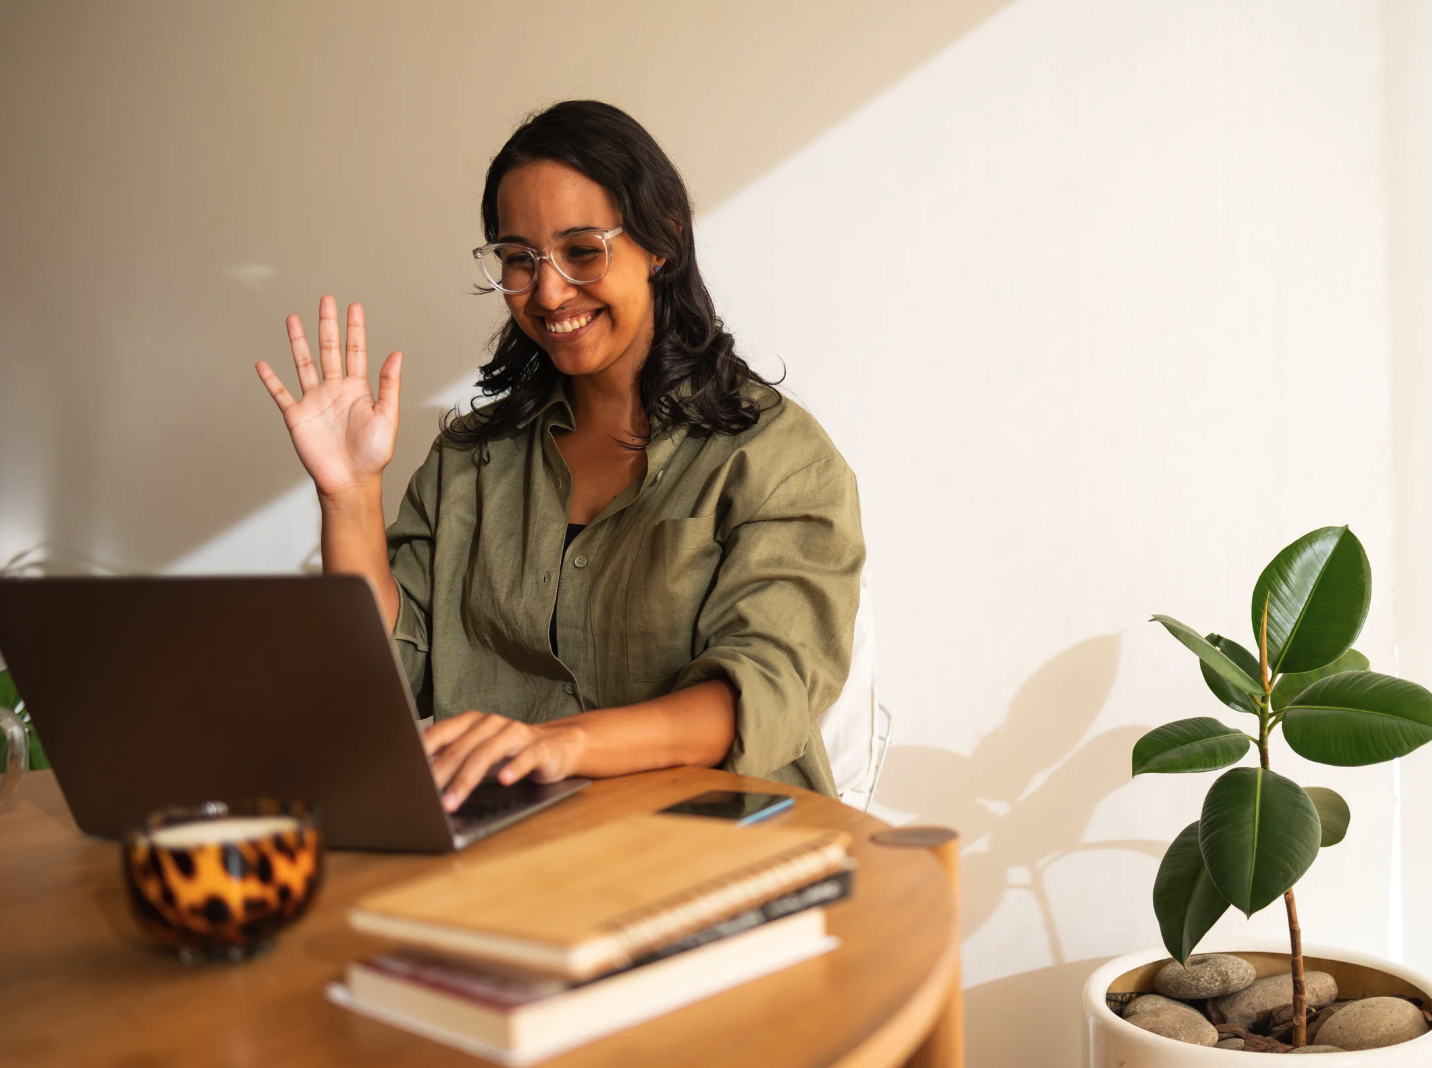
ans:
x=551 y=289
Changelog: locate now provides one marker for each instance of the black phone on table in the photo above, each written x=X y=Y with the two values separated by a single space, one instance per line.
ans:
x=743 y=806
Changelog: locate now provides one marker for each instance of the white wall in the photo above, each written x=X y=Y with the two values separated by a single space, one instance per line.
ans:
x=1409 y=96
x=1097 y=305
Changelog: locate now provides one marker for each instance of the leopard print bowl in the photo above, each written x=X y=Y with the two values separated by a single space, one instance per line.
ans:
x=218 y=882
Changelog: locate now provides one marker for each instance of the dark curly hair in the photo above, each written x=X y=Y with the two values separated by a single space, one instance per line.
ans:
x=689 y=344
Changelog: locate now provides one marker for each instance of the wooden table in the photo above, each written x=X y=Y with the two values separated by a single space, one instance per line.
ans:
x=80 y=986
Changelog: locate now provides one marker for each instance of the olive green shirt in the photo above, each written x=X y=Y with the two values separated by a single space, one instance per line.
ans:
x=734 y=556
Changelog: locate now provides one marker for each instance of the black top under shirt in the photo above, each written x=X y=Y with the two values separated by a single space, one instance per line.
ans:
x=573 y=529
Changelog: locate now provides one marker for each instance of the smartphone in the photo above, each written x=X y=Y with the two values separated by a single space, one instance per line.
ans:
x=739 y=805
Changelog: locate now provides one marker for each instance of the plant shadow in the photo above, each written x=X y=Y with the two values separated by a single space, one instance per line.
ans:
x=1021 y=801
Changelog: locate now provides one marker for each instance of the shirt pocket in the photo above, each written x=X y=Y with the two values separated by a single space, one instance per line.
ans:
x=674 y=570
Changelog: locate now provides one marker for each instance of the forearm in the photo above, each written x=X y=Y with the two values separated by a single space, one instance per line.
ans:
x=694 y=726
x=354 y=543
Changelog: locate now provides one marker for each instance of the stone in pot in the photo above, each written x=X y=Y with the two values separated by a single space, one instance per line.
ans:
x=1171 y=1019
x=1373 y=1023
x=1258 y=1001
x=1208 y=975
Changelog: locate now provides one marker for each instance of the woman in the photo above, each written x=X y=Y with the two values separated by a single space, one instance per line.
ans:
x=640 y=555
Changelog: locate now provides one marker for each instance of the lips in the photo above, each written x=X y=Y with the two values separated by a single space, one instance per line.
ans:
x=570 y=324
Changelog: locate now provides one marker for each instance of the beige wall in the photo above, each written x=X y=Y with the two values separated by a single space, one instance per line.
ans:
x=178 y=177
x=1105 y=301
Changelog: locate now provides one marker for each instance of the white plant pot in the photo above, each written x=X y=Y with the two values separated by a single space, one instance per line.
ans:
x=1115 y=1043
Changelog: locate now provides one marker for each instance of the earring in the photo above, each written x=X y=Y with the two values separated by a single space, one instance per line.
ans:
x=655 y=269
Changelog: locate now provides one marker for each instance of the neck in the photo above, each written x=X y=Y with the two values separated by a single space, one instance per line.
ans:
x=609 y=402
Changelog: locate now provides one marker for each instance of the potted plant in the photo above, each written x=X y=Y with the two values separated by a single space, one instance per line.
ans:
x=1259 y=831
x=10 y=698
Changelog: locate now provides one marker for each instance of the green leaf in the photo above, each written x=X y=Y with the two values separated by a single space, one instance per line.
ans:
x=1200 y=744
x=1258 y=833
x=1186 y=902
x=9 y=696
x=1289 y=686
x=1317 y=590
x=38 y=760
x=1225 y=668
x=1333 y=813
x=1358 y=717
x=1232 y=696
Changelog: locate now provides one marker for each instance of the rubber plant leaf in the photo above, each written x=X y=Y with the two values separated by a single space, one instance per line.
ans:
x=1333 y=813
x=1289 y=686
x=1231 y=696
x=1259 y=832
x=1186 y=902
x=9 y=696
x=1200 y=744
x=38 y=760
x=1317 y=591
x=1358 y=717
x=1222 y=666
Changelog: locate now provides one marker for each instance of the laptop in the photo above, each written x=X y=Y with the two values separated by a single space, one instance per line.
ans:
x=148 y=692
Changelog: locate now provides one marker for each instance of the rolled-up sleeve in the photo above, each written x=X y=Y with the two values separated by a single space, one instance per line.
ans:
x=778 y=622
x=410 y=556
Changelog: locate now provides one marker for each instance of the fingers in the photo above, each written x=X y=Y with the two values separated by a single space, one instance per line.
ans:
x=524 y=763
x=440 y=732
x=277 y=390
x=356 y=349
x=388 y=386
x=329 y=358
x=450 y=756
x=302 y=358
x=509 y=741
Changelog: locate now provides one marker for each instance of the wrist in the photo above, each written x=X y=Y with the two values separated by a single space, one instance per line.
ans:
x=359 y=495
x=570 y=740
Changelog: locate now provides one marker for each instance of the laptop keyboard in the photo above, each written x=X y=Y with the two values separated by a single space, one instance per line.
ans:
x=492 y=806
x=482 y=808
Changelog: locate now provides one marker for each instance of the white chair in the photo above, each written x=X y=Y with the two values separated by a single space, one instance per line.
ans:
x=856 y=728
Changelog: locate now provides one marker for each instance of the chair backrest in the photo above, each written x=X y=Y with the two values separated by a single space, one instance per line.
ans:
x=851 y=726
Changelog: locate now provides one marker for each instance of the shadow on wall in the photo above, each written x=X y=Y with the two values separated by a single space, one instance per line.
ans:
x=177 y=163
x=1032 y=1020
x=1021 y=801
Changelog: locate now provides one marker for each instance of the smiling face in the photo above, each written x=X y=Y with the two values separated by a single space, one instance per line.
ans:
x=594 y=329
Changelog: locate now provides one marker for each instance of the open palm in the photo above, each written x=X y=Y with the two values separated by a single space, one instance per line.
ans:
x=342 y=435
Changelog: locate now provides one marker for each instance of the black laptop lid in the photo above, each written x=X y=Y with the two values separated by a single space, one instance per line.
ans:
x=148 y=692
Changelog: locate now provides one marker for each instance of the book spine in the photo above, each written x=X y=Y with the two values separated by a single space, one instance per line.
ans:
x=826 y=892
x=639 y=932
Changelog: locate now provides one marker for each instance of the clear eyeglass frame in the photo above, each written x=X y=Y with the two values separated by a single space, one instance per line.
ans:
x=605 y=236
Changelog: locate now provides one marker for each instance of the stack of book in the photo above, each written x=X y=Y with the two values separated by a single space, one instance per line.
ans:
x=522 y=956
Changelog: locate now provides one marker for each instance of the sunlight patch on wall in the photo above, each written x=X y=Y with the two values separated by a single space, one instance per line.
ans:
x=252 y=276
x=457 y=394
x=279 y=538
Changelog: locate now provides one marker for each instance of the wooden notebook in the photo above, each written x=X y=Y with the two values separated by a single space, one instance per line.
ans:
x=588 y=903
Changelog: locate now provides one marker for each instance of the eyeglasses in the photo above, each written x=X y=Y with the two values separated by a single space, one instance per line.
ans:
x=581 y=258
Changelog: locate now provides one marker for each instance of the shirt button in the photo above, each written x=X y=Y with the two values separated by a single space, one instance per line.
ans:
x=659 y=474
x=580 y=561
x=570 y=688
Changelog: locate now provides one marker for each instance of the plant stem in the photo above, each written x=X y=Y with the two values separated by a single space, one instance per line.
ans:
x=1266 y=719
x=1300 y=993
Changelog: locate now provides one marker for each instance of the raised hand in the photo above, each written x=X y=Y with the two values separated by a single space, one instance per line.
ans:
x=342 y=435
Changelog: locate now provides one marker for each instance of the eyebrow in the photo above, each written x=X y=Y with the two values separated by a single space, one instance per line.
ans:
x=518 y=239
